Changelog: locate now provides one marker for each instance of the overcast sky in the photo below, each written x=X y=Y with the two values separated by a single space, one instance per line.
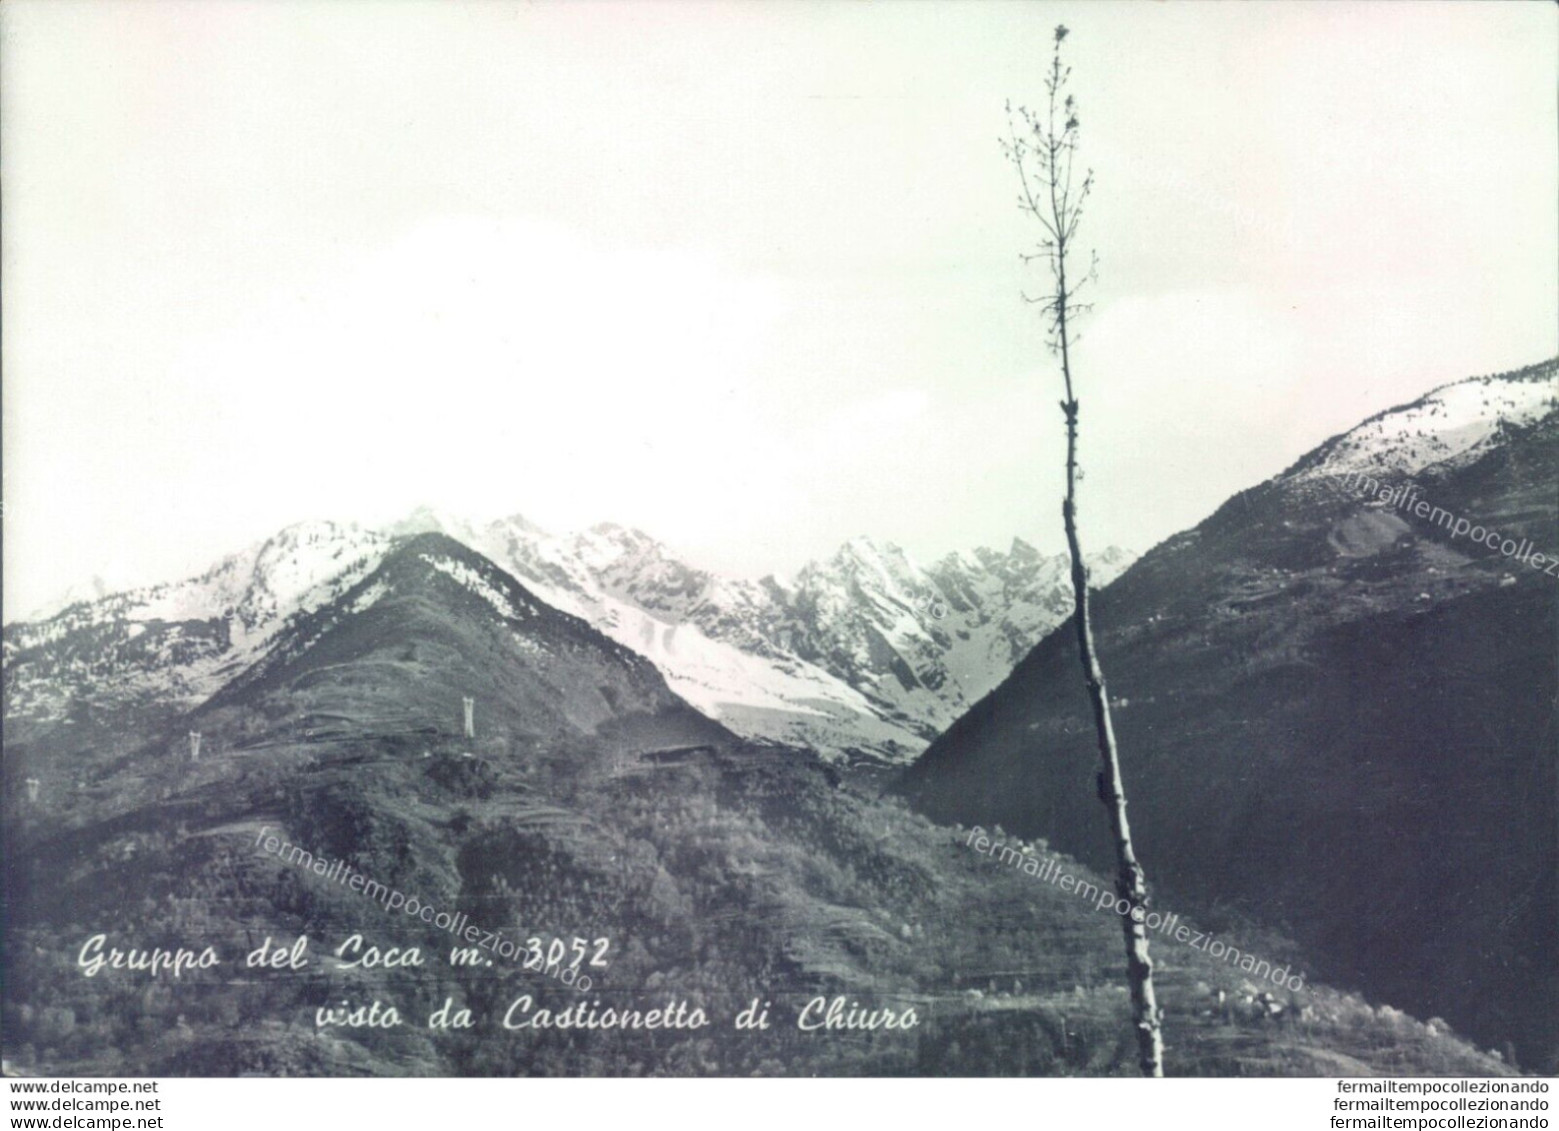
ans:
x=744 y=275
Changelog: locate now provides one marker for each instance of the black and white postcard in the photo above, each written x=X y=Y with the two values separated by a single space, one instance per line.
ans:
x=780 y=539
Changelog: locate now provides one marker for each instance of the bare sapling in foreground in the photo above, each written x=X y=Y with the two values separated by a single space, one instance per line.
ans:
x=1042 y=146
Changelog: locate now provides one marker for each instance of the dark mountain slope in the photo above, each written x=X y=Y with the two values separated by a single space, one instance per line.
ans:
x=437 y=621
x=1332 y=715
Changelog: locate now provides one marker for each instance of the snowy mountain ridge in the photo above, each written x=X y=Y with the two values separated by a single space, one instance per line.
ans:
x=181 y=641
x=865 y=654
x=1450 y=426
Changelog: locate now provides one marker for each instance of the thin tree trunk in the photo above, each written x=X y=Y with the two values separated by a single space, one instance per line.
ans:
x=1130 y=883
x=1055 y=151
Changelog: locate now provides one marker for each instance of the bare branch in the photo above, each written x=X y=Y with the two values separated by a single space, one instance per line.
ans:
x=1027 y=202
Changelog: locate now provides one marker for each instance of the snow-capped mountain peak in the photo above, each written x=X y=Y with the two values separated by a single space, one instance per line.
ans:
x=178 y=642
x=1450 y=425
x=865 y=652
